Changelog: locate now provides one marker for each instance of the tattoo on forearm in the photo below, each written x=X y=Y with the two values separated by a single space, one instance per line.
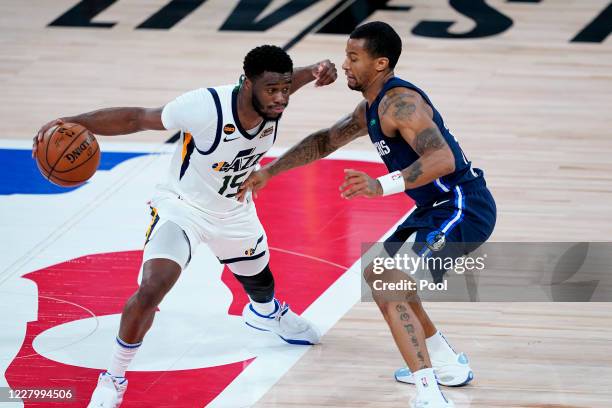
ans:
x=317 y=145
x=412 y=173
x=308 y=150
x=428 y=140
x=348 y=129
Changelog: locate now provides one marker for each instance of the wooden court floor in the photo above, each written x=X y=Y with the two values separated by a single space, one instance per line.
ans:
x=529 y=102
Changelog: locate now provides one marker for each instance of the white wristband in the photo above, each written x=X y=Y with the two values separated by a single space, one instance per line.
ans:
x=392 y=183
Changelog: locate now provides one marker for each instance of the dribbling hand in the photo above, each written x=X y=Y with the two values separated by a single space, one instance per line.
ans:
x=39 y=136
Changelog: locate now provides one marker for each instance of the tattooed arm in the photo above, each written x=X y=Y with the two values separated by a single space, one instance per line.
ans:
x=315 y=146
x=321 y=143
x=404 y=111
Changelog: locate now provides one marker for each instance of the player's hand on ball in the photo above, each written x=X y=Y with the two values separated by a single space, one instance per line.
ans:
x=325 y=73
x=39 y=136
x=255 y=182
x=357 y=183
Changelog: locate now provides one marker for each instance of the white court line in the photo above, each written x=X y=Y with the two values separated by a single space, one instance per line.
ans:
x=111 y=146
x=286 y=251
x=69 y=344
x=18 y=265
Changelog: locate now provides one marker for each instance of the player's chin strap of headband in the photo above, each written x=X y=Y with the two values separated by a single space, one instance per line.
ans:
x=392 y=183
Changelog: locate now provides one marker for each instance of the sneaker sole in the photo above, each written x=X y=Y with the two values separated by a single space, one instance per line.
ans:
x=468 y=380
x=290 y=341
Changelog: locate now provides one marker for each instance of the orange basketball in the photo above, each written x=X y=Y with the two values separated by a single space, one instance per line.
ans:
x=68 y=155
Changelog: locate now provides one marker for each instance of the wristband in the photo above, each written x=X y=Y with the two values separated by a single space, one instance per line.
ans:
x=392 y=183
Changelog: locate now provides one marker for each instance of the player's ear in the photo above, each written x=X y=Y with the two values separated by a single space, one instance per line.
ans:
x=382 y=64
x=246 y=83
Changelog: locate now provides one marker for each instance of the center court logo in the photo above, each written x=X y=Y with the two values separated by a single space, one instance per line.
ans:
x=69 y=295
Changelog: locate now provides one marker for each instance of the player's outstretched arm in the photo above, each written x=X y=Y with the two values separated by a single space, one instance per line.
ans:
x=109 y=122
x=409 y=114
x=321 y=143
x=315 y=146
x=324 y=72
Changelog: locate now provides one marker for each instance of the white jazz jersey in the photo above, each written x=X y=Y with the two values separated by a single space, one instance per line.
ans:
x=216 y=154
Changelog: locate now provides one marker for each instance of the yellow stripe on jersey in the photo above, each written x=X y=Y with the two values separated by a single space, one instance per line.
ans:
x=186 y=141
x=154 y=219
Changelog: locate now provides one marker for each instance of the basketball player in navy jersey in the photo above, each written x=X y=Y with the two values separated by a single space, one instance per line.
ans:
x=426 y=162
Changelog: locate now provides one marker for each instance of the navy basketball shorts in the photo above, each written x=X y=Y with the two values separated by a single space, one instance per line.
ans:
x=453 y=225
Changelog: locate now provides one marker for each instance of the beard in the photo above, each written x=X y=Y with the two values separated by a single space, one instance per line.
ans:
x=259 y=108
x=355 y=87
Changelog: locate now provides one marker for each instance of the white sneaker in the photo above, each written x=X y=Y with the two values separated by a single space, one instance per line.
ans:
x=449 y=373
x=109 y=391
x=282 y=321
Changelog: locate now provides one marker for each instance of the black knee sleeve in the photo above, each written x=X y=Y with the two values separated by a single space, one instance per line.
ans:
x=259 y=287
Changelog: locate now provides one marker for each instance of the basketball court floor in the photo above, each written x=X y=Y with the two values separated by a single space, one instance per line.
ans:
x=526 y=86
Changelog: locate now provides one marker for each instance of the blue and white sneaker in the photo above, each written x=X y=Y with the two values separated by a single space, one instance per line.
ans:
x=449 y=373
x=109 y=391
x=289 y=326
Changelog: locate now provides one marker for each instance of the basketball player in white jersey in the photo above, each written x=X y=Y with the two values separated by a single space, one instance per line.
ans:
x=225 y=132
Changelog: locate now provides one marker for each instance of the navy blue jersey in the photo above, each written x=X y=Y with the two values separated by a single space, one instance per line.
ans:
x=398 y=154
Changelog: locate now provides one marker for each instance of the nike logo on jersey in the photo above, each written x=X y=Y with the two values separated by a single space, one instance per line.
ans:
x=244 y=159
x=227 y=139
x=439 y=203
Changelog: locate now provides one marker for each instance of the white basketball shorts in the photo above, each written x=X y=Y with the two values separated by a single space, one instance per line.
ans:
x=237 y=239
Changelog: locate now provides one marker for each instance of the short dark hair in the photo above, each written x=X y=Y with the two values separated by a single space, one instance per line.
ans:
x=266 y=58
x=381 y=40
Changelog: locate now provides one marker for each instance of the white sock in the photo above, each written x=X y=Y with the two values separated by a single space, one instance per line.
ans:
x=264 y=308
x=123 y=355
x=427 y=386
x=438 y=347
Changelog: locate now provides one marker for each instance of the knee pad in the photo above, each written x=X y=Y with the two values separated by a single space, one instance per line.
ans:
x=259 y=287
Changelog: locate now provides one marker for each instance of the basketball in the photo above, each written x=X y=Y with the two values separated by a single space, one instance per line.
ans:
x=68 y=155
